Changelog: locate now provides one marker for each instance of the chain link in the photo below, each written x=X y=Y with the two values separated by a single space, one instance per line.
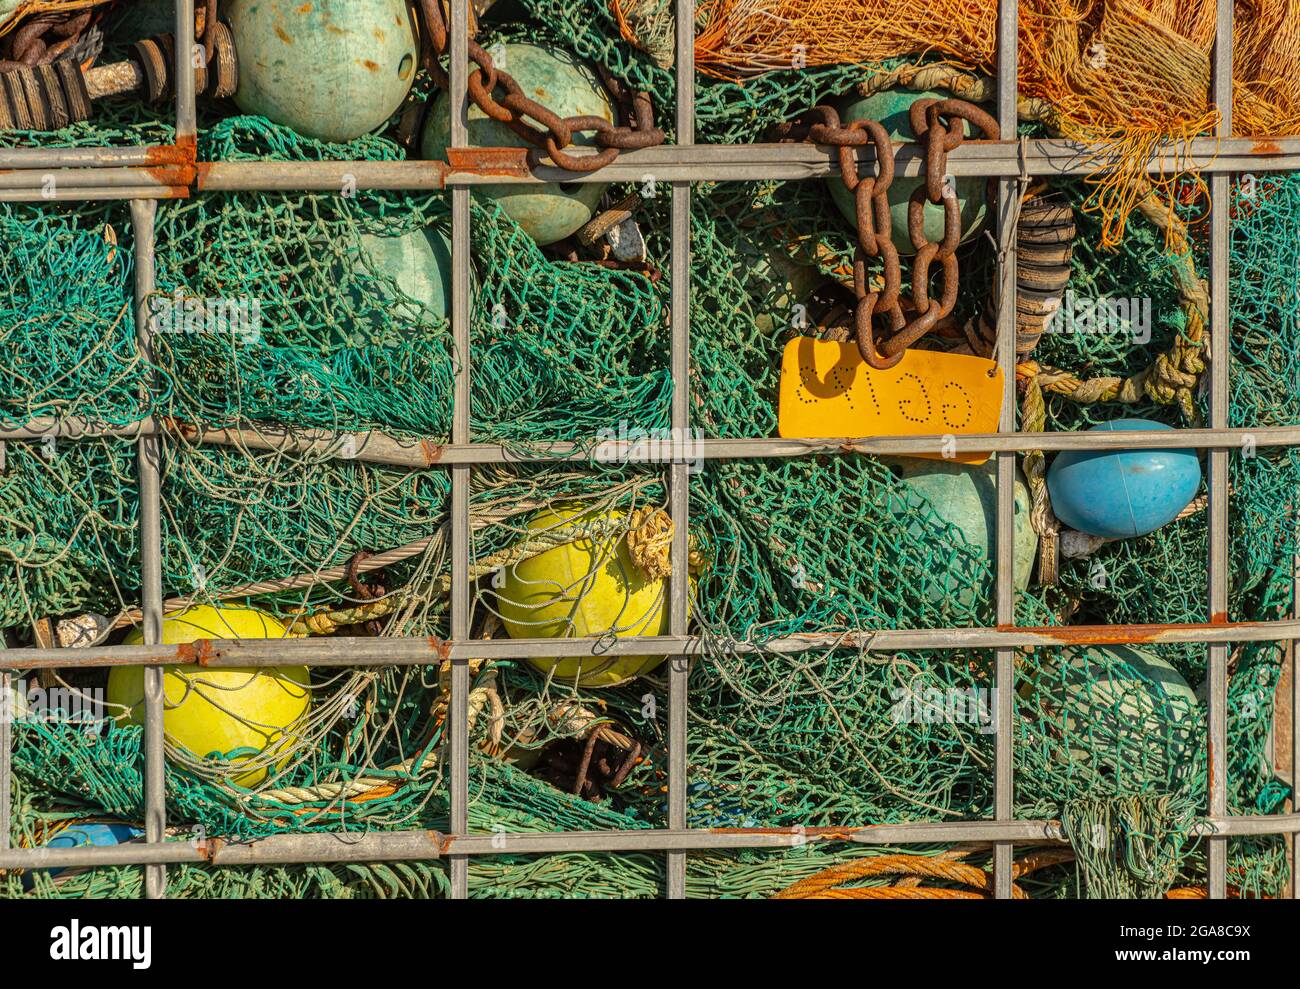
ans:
x=939 y=129
x=515 y=110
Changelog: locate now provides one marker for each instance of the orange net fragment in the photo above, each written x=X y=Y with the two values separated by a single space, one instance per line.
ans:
x=1134 y=76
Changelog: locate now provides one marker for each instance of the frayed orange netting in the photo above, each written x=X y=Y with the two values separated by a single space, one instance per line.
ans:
x=1132 y=75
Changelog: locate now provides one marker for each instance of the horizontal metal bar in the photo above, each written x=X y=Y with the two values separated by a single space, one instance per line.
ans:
x=1250 y=824
x=382 y=448
x=431 y=845
x=84 y=158
x=758 y=162
x=319 y=176
x=103 y=171
x=341 y=651
x=65 y=194
x=164 y=176
x=78 y=428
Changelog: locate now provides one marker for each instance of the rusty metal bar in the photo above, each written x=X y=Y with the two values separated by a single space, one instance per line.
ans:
x=134 y=173
x=393 y=846
x=341 y=651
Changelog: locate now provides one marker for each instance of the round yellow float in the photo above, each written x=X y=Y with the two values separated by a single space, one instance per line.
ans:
x=588 y=587
x=235 y=714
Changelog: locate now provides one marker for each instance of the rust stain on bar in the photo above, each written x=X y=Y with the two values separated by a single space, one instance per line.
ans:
x=1265 y=148
x=1219 y=618
x=1098 y=635
x=172 y=164
x=441 y=646
x=489 y=161
x=197 y=653
x=442 y=841
x=432 y=452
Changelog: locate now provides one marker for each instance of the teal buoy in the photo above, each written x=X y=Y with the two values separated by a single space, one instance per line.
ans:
x=1119 y=494
x=1123 y=711
x=891 y=108
x=333 y=70
x=554 y=78
x=966 y=498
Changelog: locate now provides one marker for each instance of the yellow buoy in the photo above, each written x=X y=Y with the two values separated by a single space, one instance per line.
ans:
x=587 y=587
x=236 y=714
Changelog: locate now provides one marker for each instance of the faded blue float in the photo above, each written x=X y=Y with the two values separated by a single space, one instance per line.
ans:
x=1123 y=493
x=95 y=835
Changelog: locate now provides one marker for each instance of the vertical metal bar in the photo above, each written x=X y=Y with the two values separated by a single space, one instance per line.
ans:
x=1293 y=655
x=9 y=712
x=1221 y=191
x=143 y=215
x=460 y=433
x=679 y=671
x=1004 y=683
x=1295 y=756
x=186 y=113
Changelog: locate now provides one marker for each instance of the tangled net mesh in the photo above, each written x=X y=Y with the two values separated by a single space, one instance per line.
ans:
x=830 y=737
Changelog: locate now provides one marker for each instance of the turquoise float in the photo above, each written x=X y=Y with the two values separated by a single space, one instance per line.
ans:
x=1123 y=493
x=966 y=498
x=891 y=109
x=1123 y=710
x=333 y=70
x=554 y=78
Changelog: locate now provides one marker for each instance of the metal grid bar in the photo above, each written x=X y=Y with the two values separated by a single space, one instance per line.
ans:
x=1009 y=193
x=6 y=761
x=700 y=162
x=679 y=486
x=186 y=108
x=143 y=215
x=337 y=651
x=679 y=165
x=458 y=713
x=394 y=846
x=376 y=447
x=1219 y=562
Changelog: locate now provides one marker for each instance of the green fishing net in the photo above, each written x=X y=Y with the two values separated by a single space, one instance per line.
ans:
x=1109 y=742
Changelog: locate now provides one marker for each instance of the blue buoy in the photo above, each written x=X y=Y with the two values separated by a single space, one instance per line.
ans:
x=95 y=834
x=1123 y=493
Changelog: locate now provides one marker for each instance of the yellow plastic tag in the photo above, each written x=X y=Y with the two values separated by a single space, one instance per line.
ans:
x=827 y=389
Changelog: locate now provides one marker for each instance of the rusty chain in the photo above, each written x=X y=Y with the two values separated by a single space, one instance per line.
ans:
x=45 y=38
x=939 y=129
x=514 y=109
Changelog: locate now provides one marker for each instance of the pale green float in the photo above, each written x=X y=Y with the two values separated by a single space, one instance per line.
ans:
x=333 y=70
x=966 y=498
x=559 y=82
x=1127 y=712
